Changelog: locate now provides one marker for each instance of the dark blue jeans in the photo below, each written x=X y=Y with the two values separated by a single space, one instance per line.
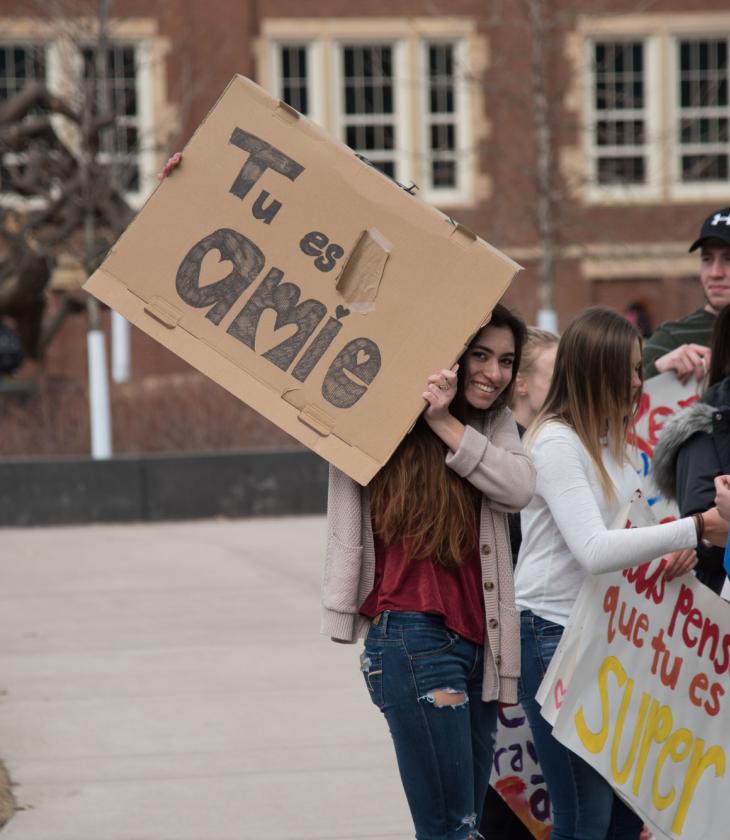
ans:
x=444 y=752
x=584 y=804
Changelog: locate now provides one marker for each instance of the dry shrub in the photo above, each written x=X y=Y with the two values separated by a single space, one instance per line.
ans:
x=7 y=801
x=54 y=420
x=187 y=412
x=183 y=412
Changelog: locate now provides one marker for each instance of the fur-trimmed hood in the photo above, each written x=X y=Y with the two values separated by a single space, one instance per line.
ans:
x=677 y=431
x=698 y=417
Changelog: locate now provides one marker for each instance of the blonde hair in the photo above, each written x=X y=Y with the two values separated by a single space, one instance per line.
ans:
x=536 y=341
x=591 y=389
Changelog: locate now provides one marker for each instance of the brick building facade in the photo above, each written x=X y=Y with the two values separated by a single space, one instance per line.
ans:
x=598 y=137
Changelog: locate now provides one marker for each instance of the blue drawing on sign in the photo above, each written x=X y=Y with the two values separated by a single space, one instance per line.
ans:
x=646 y=462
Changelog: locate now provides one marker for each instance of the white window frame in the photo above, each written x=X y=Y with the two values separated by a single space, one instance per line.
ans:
x=60 y=78
x=461 y=118
x=324 y=39
x=315 y=72
x=10 y=199
x=146 y=153
x=698 y=189
x=401 y=102
x=663 y=32
x=650 y=189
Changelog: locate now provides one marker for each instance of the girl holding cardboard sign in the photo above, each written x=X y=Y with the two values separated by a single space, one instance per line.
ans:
x=419 y=564
x=584 y=478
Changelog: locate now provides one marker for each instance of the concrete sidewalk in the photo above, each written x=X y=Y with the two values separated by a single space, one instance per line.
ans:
x=168 y=682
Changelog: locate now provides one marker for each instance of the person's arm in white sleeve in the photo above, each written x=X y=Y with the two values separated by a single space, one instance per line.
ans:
x=564 y=484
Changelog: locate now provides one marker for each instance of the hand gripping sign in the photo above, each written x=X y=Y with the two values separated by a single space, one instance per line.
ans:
x=314 y=288
x=646 y=693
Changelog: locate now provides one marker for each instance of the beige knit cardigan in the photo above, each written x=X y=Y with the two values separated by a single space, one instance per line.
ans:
x=491 y=457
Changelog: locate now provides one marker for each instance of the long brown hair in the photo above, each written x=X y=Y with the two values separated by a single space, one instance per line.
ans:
x=591 y=386
x=419 y=502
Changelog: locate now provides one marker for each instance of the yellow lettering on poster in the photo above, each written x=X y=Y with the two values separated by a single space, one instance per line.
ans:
x=622 y=774
x=657 y=729
x=698 y=763
x=595 y=741
x=654 y=725
x=677 y=748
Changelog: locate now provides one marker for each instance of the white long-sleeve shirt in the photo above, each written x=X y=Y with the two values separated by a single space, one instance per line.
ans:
x=565 y=528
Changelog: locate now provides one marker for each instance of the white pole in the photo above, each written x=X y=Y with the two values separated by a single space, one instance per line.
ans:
x=547 y=319
x=101 y=427
x=120 y=348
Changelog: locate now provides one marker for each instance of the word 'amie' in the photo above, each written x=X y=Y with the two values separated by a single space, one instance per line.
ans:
x=352 y=369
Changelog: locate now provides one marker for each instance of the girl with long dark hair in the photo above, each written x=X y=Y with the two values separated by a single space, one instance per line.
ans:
x=419 y=564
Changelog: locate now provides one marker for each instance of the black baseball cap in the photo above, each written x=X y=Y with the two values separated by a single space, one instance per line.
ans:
x=715 y=226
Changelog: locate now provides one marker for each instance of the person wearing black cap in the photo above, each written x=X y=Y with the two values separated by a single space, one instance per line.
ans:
x=683 y=345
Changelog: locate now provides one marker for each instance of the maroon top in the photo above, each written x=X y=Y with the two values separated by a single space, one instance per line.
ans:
x=424 y=586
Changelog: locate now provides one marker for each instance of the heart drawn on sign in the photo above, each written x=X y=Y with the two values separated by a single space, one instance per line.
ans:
x=560 y=692
x=267 y=334
x=341 y=311
x=212 y=269
x=362 y=357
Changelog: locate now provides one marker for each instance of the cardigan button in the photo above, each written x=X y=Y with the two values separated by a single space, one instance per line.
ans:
x=498 y=660
x=486 y=549
x=489 y=585
x=493 y=623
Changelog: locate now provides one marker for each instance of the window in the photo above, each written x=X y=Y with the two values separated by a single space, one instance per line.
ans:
x=442 y=116
x=399 y=101
x=20 y=64
x=703 y=110
x=619 y=117
x=368 y=100
x=120 y=143
x=131 y=75
x=657 y=106
x=293 y=72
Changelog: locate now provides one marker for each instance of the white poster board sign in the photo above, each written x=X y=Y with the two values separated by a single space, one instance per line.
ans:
x=646 y=694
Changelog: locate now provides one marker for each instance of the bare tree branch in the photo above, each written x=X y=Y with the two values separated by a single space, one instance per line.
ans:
x=35 y=95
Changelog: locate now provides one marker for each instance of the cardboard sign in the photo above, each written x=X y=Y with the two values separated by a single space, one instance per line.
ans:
x=645 y=699
x=301 y=279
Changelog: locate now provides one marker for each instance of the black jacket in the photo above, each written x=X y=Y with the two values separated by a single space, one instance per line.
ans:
x=694 y=448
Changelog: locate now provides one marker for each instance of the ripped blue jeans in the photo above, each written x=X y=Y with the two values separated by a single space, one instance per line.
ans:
x=427 y=681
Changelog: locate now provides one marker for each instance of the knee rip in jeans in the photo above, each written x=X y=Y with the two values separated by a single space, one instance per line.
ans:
x=446 y=697
x=471 y=820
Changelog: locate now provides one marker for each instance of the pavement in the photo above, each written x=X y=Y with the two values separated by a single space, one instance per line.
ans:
x=168 y=682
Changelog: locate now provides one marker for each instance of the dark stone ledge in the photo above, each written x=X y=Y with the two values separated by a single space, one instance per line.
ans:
x=153 y=488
